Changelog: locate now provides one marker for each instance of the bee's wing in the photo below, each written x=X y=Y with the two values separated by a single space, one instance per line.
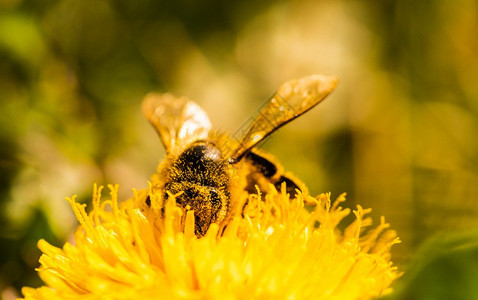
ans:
x=179 y=121
x=292 y=99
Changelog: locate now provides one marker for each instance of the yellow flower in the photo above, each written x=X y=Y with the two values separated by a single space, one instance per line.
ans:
x=276 y=249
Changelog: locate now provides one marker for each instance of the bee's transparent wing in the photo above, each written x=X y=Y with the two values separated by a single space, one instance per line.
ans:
x=179 y=121
x=292 y=99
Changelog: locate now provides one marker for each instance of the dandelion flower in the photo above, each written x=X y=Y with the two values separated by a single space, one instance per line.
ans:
x=275 y=249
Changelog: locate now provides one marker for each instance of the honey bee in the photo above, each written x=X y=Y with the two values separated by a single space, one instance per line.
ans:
x=207 y=171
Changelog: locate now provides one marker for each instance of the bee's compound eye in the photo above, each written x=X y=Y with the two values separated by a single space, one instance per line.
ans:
x=215 y=200
x=165 y=195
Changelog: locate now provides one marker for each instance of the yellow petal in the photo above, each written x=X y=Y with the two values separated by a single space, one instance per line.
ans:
x=277 y=248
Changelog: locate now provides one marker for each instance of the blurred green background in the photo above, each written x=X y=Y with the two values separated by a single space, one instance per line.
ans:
x=398 y=135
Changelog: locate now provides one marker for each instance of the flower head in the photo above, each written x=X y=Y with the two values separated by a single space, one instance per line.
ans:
x=276 y=248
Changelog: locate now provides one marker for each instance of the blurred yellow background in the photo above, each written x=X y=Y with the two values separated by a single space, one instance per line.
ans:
x=398 y=135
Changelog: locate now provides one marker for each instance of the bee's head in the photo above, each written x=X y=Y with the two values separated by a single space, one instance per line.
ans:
x=200 y=179
x=208 y=203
